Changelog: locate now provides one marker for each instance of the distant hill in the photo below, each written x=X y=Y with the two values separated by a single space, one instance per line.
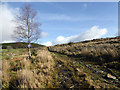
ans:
x=20 y=45
x=97 y=41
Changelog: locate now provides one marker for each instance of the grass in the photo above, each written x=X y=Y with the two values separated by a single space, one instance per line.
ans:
x=5 y=74
x=92 y=51
x=76 y=65
x=12 y=53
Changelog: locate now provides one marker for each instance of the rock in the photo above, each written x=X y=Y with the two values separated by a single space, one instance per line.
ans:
x=101 y=71
x=14 y=54
x=110 y=76
x=10 y=54
x=73 y=62
x=72 y=86
x=78 y=69
x=60 y=65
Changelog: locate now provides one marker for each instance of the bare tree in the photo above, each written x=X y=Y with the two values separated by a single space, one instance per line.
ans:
x=27 y=27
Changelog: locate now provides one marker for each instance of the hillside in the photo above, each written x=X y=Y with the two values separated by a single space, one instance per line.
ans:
x=90 y=64
x=17 y=45
x=97 y=50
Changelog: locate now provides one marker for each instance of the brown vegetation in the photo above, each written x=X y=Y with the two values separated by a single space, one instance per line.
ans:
x=73 y=65
x=23 y=73
x=96 y=50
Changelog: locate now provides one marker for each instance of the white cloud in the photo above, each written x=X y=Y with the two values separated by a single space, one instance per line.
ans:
x=47 y=43
x=7 y=26
x=60 y=39
x=8 y=41
x=93 y=33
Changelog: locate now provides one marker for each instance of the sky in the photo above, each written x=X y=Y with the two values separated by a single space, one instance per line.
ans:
x=63 y=22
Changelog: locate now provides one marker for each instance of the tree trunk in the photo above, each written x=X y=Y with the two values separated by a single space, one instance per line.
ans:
x=29 y=51
x=29 y=46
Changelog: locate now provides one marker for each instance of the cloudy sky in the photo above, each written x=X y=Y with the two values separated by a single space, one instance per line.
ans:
x=66 y=21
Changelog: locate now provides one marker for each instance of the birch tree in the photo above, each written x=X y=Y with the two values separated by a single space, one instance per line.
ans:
x=27 y=27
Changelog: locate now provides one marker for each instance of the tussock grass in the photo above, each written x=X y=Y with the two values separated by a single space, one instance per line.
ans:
x=54 y=70
x=45 y=67
x=104 y=50
x=45 y=59
x=25 y=79
x=34 y=73
x=5 y=75
x=24 y=63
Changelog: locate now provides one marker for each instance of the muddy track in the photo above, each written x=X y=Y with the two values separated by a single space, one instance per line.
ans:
x=70 y=77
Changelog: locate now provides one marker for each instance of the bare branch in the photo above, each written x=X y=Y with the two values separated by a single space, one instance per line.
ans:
x=27 y=27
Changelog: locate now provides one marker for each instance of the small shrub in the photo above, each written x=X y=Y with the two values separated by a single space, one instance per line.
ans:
x=70 y=43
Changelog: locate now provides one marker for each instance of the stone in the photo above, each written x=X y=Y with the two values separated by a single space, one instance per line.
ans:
x=72 y=87
x=110 y=76
x=78 y=69
x=101 y=71
x=60 y=65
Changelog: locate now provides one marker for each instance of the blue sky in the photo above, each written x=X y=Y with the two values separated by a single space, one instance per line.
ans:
x=74 y=21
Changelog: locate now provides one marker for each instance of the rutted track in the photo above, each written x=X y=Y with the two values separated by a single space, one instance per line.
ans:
x=74 y=73
x=67 y=74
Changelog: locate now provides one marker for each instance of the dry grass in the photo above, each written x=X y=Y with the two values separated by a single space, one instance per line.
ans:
x=25 y=79
x=45 y=66
x=24 y=63
x=45 y=59
x=97 y=50
x=38 y=72
x=100 y=50
x=0 y=69
x=38 y=77
x=5 y=75
x=26 y=74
